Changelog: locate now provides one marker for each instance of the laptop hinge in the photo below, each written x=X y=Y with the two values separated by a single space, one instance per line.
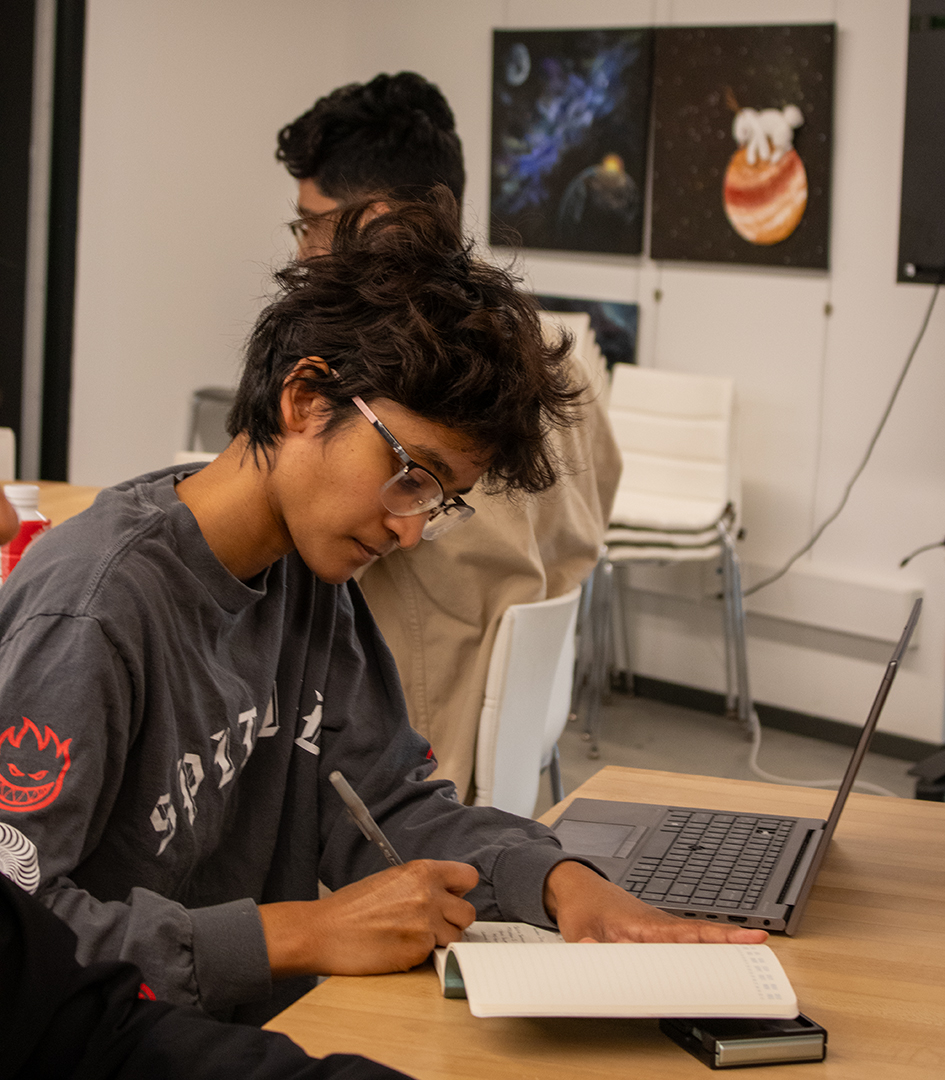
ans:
x=795 y=881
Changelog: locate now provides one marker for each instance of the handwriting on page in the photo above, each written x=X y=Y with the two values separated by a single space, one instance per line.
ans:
x=520 y=933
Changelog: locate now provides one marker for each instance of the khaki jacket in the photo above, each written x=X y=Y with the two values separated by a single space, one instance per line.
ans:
x=440 y=604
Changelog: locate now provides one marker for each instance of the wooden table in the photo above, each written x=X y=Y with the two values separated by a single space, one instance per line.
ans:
x=868 y=964
x=59 y=500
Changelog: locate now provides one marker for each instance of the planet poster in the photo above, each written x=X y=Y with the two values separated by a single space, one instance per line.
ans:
x=742 y=134
x=570 y=118
x=614 y=324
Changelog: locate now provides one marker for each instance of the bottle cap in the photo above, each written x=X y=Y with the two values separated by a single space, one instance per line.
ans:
x=23 y=496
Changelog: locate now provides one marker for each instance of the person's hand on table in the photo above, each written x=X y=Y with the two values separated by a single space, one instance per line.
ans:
x=588 y=907
x=389 y=921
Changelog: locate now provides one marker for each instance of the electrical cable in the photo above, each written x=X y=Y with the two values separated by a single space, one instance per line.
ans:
x=772 y=778
x=869 y=450
x=918 y=551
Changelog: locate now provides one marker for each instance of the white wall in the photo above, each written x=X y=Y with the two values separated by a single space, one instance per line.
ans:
x=181 y=204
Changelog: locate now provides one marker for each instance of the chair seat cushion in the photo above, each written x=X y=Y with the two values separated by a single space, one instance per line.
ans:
x=643 y=510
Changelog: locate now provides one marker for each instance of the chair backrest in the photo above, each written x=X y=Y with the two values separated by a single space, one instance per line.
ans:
x=209 y=407
x=7 y=454
x=675 y=433
x=185 y=457
x=526 y=703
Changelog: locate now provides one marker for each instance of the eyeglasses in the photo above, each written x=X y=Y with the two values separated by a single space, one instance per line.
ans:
x=314 y=231
x=413 y=490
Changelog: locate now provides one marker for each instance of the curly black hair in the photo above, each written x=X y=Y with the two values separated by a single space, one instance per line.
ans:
x=394 y=135
x=402 y=309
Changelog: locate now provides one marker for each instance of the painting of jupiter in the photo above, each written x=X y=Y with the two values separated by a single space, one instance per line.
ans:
x=570 y=118
x=742 y=119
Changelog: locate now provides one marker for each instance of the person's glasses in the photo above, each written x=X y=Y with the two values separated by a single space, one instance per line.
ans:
x=413 y=490
x=313 y=232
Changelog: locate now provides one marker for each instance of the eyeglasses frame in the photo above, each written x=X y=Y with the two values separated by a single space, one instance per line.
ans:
x=444 y=505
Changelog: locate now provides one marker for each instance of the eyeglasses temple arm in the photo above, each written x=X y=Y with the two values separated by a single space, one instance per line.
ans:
x=395 y=445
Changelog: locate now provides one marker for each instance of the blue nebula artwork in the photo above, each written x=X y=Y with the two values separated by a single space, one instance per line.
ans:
x=570 y=116
x=614 y=324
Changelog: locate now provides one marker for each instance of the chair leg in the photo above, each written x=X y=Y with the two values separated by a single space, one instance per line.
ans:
x=584 y=654
x=619 y=659
x=601 y=603
x=554 y=775
x=734 y=602
x=730 y=635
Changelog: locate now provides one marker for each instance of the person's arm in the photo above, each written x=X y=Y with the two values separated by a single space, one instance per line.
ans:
x=523 y=873
x=69 y=708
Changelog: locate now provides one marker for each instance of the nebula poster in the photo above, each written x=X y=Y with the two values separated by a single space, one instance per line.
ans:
x=614 y=324
x=742 y=133
x=570 y=115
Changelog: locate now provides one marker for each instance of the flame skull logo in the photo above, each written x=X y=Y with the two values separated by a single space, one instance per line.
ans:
x=32 y=767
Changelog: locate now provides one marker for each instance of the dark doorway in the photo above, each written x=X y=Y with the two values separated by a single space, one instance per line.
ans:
x=17 y=18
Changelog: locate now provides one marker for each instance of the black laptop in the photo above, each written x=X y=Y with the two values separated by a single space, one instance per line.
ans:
x=741 y=867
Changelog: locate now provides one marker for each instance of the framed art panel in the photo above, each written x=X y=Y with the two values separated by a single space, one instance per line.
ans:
x=922 y=208
x=614 y=324
x=570 y=113
x=743 y=130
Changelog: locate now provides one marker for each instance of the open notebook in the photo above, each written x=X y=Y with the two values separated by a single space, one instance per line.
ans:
x=502 y=971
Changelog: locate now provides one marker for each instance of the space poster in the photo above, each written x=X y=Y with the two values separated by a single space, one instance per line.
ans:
x=614 y=324
x=742 y=134
x=570 y=118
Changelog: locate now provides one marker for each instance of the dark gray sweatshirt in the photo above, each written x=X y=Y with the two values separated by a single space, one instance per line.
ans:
x=166 y=735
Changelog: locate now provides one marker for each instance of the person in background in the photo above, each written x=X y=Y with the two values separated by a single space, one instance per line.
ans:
x=395 y=136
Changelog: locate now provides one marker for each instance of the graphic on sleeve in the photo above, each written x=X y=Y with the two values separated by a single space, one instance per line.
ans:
x=222 y=758
x=246 y=720
x=308 y=740
x=18 y=858
x=270 y=726
x=164 y=820
x=190 y=777
x=32 y=767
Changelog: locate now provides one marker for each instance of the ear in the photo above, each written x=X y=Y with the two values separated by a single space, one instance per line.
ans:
x=376 y=209
x=300 y=404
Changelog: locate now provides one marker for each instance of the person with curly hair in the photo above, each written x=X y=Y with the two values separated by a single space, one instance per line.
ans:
x=393 y=137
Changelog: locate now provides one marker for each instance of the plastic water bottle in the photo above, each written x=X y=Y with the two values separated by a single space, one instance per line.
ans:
x=25 y=500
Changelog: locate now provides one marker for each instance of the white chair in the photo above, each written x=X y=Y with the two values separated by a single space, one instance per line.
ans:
x=7 y=454
x=678 y=501
x=526 y=703
x=185 y=457
x=209 y=407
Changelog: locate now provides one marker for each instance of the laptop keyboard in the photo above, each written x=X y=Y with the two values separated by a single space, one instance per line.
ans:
x=722 y=860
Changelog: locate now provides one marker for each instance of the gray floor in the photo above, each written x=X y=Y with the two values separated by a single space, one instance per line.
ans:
x=653 y=735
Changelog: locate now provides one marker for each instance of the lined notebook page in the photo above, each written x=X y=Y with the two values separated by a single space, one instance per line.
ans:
x=508 y=932
x=658 y=980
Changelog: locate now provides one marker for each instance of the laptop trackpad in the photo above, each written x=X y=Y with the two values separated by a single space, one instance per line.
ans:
x=590 y=838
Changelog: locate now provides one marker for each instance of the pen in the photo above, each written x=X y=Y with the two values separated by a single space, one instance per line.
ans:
x=362 y=818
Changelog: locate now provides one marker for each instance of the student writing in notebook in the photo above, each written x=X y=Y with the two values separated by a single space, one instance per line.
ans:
x=184 y=664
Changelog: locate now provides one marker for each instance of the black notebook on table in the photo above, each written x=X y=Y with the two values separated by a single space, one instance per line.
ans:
x=743 y=867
